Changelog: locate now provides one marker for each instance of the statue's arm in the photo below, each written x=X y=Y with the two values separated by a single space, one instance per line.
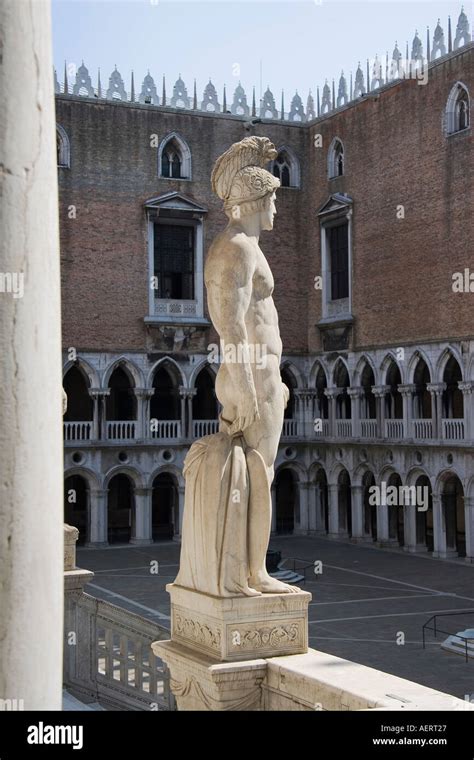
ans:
x=229 y=292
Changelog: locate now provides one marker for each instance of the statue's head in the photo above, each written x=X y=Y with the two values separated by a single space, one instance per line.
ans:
x=243 y=184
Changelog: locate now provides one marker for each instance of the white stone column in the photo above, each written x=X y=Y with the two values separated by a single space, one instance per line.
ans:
x=439 y=530
x=355 y=394
x=190 y=393
x=331 y=393
x=310 y=413
x=181 y=512
x=305 y=419
x=143 y=396
x=94 y=393
x=274 y=509
x=299 y=412
x=182 y=397
x=357 y=513
x=467 y=389
x=105 y=392
x=333 y=505
x=436 y=390
x=313 y=507
x=319 y=523
x=469 y=518
x=31 y=491
x=303 y=525
x=98 y=517
x=380 y=392
x=409 y=528
x=143 y=531
x=407 y=396
x=383 y=532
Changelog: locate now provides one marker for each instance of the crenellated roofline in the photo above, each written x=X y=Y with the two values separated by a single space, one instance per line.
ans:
x=375 y=76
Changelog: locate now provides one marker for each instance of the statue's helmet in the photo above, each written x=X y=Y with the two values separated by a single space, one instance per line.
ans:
x=239 y=177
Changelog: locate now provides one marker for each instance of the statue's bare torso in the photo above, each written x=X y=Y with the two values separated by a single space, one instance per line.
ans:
x=239 y=290
x=239 y=286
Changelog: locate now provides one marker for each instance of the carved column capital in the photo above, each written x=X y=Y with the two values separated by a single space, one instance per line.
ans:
x=436 y=388
x=380 y=391
x=144 y=392
x=333 y=392
x=97 y=392
x=187 y=392
x=356 y=392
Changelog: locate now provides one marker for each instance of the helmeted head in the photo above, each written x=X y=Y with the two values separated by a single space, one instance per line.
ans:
x=240 y=180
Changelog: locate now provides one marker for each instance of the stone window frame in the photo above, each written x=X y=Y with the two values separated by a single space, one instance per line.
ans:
x=185 y=154
x=333 y=154
x=176 y=209
x=340 y=309
x=450 y=115
x=293 y=165
x=64 y=148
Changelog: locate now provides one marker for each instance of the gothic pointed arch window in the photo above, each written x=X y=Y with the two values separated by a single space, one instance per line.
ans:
x=336 y=159
x=457 y=109
x=174 y=158
x=286 y=168
x=63 y=150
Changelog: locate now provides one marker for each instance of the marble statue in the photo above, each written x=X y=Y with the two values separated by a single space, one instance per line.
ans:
x=227 y=513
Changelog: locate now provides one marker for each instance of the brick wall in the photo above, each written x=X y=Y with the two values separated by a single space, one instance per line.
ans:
x=395 y=153
x=104 y=249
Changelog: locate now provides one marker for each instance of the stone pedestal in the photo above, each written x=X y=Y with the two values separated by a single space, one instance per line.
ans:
x=200 y=683
x=218 y=648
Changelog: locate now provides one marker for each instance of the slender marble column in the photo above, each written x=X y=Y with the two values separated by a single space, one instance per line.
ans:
x=31 y=476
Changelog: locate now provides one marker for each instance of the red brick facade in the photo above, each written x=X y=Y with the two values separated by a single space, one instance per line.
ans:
x=396 y=152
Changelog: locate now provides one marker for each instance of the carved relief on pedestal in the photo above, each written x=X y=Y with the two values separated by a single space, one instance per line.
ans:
x=196 y=632
x=264 y=637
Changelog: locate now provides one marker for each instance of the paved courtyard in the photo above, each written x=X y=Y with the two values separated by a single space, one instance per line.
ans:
x=364 y=602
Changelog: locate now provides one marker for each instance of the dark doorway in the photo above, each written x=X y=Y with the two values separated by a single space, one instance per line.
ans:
x=344 y=502
x=370 y=510
x=286 y=492
x=396 y=513
x=164 y=507
x=205 y=401
x=422 y=398
x=120 y=510
x=453 y=401
x=393 y=398
x=79 y=403
x=424 y=520
x=290 y=382
x=121 y=403
x=76 y=500
x=165 y=403
x=322 y=503
x=452 y=500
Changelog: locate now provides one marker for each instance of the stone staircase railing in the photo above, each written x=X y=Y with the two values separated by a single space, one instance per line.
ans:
x=107 y=649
